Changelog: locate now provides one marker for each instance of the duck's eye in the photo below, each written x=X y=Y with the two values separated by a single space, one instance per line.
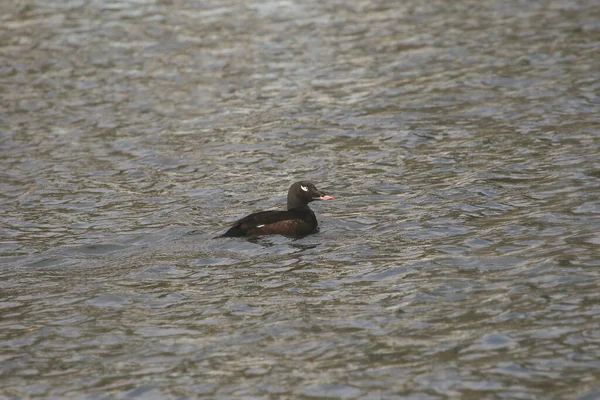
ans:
x=304 y=188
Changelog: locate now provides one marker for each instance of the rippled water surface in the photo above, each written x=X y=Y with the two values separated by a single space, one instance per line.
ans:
x=461 y=257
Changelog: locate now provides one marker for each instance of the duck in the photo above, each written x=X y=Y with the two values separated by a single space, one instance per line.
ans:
x=298 y=220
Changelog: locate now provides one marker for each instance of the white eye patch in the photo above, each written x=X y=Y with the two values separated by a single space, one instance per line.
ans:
x=304 y=188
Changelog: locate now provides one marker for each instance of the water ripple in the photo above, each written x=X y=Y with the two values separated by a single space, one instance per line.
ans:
x=459 y=259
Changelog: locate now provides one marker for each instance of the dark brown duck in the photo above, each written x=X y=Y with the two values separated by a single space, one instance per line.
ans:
x=298 y=220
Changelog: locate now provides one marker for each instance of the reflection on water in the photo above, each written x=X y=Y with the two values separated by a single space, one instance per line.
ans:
x=459 y=260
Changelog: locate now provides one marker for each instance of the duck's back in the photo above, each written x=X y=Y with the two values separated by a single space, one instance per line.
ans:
x=295 y=222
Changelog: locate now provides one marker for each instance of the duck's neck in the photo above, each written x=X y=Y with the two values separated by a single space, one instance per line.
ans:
x=304 y=213
x=296 y=204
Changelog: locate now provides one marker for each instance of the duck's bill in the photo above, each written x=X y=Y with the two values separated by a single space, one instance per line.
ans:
x=327 y=198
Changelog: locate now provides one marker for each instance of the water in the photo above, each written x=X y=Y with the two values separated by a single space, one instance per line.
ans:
x=460 y=259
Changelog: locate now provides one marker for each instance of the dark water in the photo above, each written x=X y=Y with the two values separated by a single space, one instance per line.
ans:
x=461 y=259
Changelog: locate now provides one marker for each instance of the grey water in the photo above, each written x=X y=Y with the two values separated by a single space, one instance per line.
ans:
x=460 y=259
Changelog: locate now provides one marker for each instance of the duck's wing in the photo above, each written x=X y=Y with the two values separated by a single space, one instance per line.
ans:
x=259 y=220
